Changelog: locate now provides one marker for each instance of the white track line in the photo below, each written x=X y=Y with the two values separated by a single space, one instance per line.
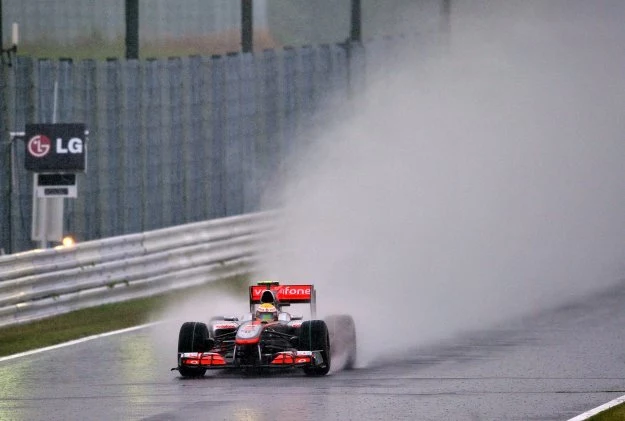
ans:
x=75 y=341
x=598 y=409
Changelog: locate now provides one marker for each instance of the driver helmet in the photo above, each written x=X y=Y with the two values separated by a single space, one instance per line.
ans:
x=266 y=313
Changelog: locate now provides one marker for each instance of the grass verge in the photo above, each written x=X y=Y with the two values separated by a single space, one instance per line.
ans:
x=101 y=319
x=616 y=413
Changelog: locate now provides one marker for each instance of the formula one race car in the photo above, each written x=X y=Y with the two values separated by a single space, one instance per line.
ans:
x=267 y=337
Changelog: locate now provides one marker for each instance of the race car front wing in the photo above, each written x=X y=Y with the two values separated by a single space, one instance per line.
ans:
x=285 y=359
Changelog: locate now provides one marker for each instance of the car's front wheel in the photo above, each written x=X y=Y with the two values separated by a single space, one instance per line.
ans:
x=192 y=338
x=314 y=336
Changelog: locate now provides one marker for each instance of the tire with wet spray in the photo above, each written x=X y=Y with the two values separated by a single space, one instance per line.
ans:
x=314 y=336
x=192 y=338
x=342 y=331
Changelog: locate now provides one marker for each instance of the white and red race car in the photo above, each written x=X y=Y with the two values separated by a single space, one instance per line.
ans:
x=284 y=342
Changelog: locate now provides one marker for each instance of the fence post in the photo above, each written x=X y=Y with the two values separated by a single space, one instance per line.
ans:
x=356 y=22
x=247 y=30
x=132 y=29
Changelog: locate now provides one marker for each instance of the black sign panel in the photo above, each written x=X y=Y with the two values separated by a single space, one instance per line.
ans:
x=56 y=179
x=55 y=147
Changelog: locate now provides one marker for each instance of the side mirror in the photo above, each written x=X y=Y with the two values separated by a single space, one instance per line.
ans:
x=296 y=317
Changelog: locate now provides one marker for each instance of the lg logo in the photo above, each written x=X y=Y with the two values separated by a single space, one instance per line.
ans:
x=39 y=146
x=73 y=146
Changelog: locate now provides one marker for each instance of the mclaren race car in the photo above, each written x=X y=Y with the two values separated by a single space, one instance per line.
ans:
x=268 y=338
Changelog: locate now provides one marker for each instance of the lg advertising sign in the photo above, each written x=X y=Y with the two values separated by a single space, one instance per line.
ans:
x=56 y=147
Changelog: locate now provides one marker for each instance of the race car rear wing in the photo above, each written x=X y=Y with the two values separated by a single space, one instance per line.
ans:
x=283 y=295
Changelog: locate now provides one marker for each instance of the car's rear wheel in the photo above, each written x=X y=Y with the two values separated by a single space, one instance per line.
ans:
x=314 y=336
x=192 y=338
x=343 y=338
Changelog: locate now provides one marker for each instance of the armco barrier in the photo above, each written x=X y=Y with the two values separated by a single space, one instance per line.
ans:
x=43 y=283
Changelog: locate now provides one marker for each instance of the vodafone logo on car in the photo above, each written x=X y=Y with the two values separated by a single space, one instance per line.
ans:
x=39 y=146
x=285 y=290
x=290 y=293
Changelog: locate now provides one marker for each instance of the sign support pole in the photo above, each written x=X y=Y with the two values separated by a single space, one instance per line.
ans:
x=40 y=216
x=49 y=209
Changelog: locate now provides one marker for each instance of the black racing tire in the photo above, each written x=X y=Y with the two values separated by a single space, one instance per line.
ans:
x=314 y=336
x=192 y=338
x=191 y=372
x=343 y=338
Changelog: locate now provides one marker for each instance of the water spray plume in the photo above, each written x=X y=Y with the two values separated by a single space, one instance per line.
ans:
x=473 y=184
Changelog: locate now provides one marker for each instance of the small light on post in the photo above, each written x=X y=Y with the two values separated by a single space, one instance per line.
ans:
x=68 y=241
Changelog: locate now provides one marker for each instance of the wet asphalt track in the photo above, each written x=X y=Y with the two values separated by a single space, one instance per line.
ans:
x=551 y=367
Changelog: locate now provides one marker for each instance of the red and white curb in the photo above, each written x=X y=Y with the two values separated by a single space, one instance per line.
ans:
x=598 y=409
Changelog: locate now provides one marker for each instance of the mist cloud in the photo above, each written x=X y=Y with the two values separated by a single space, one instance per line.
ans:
x=481 y=182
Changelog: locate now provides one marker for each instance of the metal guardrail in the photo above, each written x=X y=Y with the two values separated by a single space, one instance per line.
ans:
x=42 y=283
